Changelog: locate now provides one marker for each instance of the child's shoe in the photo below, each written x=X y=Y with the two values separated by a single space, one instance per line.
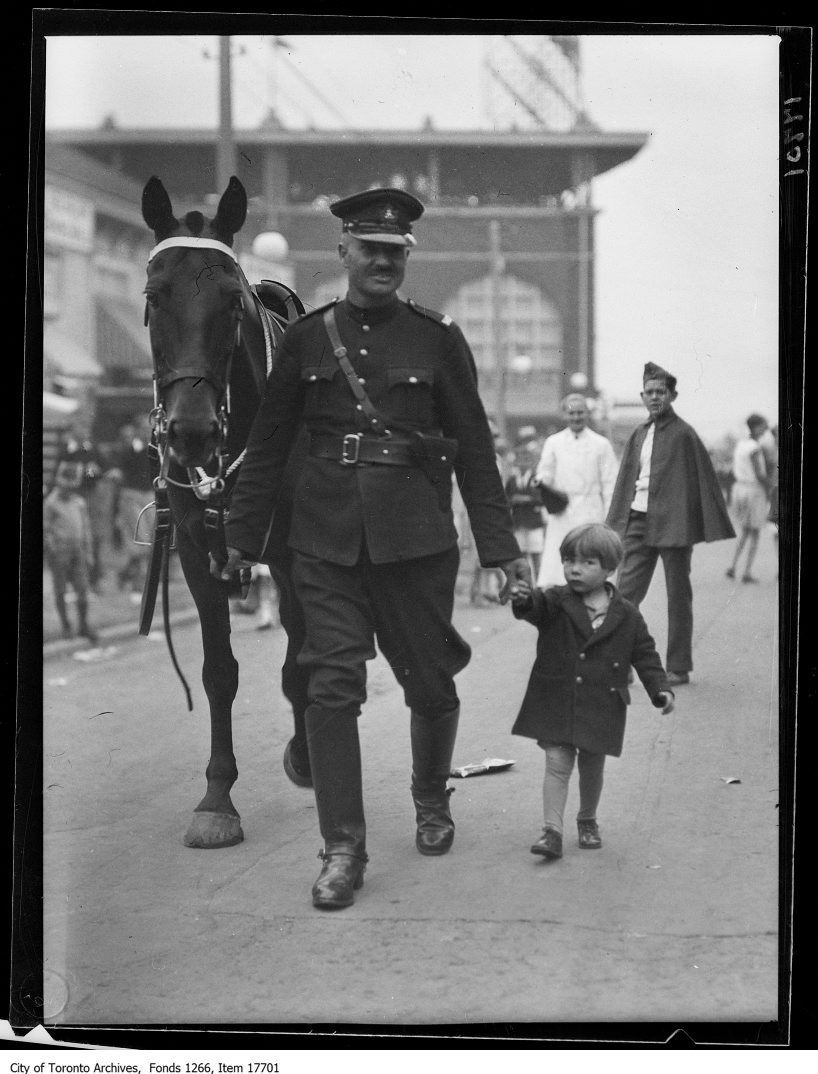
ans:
x=549 y=845
x=589 y=838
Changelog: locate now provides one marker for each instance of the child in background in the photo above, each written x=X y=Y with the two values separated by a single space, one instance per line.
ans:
x=577 y=696
x=67 y=544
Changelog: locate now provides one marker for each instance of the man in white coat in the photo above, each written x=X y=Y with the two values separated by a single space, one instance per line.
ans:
x=582 y=464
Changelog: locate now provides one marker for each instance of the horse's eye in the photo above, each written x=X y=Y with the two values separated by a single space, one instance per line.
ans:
x=237 y=303
x=152 y=298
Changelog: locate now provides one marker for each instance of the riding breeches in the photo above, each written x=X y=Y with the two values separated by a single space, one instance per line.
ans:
x=406 y=607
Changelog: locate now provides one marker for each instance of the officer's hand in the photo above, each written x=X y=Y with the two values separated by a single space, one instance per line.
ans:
x=236 y=560
x=516 y=571
x=667 y=701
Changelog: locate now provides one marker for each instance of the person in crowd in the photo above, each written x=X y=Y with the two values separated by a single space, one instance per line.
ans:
x=262 y=582
x=68 y=546
x=388 y=393
x=526 y=503
x=78 y=448
x=667 y=498
x=130 y=469
x=773 y=512
x=769 y=445
x=750 y=494
x=576 y=701
x=580 y=463
x=486 y=582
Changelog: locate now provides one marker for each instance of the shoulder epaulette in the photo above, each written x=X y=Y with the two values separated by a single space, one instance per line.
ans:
x=441 y=318
x=318 y=309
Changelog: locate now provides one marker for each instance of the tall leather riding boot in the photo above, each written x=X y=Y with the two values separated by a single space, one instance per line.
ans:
x=335 y=760
x=432 y=749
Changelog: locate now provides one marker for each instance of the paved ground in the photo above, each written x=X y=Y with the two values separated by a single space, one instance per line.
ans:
x=674 y=920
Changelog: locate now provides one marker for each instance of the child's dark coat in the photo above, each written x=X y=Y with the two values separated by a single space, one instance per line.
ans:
x=578 y=690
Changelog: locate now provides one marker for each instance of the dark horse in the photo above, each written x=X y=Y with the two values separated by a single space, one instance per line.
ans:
x=213 y=341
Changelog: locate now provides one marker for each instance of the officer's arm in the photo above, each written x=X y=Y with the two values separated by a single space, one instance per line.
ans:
x=268 y=447
x=462 y=417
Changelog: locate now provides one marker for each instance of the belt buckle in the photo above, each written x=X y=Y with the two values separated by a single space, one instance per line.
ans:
x=351 y=449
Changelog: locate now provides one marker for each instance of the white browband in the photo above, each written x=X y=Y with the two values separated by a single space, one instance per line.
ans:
x=191 y=240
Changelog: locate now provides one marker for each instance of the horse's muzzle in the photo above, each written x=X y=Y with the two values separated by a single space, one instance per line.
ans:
x=192 y=442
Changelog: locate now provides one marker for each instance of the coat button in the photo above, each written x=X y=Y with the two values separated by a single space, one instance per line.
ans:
x=363 y=351
x=579 y=678
x=364 y=327
x=613 y=690
x=358 y=406
x=361 y=380
x=615 y=664
x=582 y=656
x=313 y=377
x=413 y=380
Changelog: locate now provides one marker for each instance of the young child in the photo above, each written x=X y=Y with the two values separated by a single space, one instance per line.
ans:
x=577 y=696
x=67 y=546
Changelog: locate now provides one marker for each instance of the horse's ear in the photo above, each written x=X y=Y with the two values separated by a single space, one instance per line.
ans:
x=232 y=211
x=157 y=210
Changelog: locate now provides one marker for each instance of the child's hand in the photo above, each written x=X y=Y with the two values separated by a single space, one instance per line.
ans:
x=666 y=700
x=520 y=593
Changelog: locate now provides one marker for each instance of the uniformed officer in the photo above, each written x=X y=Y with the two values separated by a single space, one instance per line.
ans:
x=374 y=543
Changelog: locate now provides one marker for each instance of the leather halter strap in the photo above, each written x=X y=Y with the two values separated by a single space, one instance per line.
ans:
x=192 y=241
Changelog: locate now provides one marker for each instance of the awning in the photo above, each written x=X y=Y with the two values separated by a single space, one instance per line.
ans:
x=67 y=357
x=58 y=406
x=122 y=339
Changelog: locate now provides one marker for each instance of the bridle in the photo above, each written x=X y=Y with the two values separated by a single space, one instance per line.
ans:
x=203 y=485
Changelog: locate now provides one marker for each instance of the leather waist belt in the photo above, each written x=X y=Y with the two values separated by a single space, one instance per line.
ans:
x=356 y=448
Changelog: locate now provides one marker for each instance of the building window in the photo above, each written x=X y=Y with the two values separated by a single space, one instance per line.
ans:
x=530 y=323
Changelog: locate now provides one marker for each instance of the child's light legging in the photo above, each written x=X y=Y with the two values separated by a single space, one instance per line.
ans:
x=559 y=764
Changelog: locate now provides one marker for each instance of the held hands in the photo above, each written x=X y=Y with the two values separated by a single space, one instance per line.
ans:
x=521 y=594
x=236 y=561
x=518 y=580
x=665 y=698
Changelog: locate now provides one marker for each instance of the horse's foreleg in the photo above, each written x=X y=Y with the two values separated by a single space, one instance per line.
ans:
x=216 y=822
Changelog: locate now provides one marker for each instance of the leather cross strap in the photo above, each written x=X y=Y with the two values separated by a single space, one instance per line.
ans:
x=375 y=420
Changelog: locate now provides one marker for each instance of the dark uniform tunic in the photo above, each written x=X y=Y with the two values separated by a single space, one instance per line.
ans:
x=373 y=533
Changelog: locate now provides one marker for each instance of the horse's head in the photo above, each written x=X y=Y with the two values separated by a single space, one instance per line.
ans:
x=195 y=302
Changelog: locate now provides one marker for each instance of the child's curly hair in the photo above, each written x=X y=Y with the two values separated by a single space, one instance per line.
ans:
x=593 y=539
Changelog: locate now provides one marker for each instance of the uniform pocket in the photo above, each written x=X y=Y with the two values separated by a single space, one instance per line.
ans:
x=318 y=373
x=317 y=380
x=410 y=393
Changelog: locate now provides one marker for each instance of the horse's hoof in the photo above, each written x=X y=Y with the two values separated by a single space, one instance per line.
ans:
x=297 y=764
x=212 y=831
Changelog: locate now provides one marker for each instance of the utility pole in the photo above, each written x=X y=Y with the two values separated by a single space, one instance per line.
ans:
x=226 y=153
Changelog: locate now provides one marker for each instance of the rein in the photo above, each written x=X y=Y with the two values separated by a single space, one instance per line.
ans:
x=204 y=487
